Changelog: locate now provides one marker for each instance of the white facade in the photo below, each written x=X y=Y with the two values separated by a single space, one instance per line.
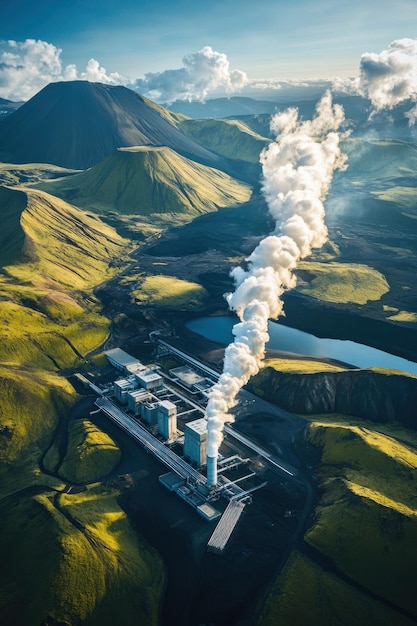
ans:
x=122 y=387
x=195 y=441
x=148 y=379
x=167 y=419
x=149 y=412
x=135 y=400
x=121 y=360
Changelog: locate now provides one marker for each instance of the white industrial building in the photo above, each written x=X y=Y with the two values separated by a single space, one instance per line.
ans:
x=149 y=412
x=136 y=399
x=122 y=387
x=149 y=379
x=195 y=441
x=122 y=361
x=167 y=419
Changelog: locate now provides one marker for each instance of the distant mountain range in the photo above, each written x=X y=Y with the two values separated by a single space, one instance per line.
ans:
x=7 y=107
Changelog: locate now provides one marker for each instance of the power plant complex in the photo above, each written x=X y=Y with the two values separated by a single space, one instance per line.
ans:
x=164 y=411
x=135 y=392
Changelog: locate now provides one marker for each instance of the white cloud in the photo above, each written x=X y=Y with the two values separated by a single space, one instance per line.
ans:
x=390 y=77
x=28 y=66
x=95 y=73
x=203 y=73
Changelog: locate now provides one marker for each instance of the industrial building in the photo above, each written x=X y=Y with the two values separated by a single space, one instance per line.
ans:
x=195 y=441
x=167 y=419
x=122 y=387
x=149 y=379
x=136 y=400
x=123 y=361
x=149 y=413
x=150 y=396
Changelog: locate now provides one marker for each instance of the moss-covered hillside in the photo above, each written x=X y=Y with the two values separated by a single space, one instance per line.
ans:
x=355 y=565
x=69 y=553
x=145 y=180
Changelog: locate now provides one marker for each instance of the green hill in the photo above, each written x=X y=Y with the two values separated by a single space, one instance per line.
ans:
x=360 y=570
x=53 y=255
x=379 y=159
x=60 y=243
x=75 y=559
x=366 y=520
x=230 y=138
x=67 y=557
x=145 y=180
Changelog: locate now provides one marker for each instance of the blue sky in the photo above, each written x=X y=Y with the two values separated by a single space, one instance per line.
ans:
x=283 y=39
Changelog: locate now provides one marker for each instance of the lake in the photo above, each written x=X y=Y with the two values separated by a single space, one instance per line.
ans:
x=298 y=342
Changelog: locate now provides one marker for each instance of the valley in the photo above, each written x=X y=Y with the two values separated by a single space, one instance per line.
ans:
x=125 y=219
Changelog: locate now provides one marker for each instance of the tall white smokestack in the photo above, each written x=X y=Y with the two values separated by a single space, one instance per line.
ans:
x=212 y=471
x=297 y=170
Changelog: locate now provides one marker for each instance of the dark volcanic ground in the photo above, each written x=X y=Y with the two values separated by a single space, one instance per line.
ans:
x=205 y=250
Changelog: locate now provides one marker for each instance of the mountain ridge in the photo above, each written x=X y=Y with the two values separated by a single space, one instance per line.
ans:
x=77 y=124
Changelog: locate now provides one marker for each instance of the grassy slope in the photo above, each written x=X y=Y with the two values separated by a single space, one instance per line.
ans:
x=12 y=234
x=91 y=454
x=379 y=159
x=12 y=175
x=300 y=366
x=366 y=520
x=94 y=571
x=52 y=566
x=167 y=291
x=146 y=180
x=230 y=138
x=32 y=403
x=326 y=600
x=48 y=319
x=341 y=282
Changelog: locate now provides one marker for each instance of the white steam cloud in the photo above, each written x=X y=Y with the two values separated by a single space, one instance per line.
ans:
x=297 y=170
x=203 y=72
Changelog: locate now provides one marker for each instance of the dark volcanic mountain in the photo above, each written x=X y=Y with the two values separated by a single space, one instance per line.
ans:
x=77 y=124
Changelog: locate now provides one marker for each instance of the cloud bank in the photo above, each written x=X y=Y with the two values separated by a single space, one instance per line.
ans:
x=28 y=66
x=388 y=78
x=203 y=73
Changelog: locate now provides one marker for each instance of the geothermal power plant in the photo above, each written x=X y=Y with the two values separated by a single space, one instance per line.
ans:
x=164 y=411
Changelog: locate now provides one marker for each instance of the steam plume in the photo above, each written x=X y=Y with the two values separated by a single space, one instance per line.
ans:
x=297 y=171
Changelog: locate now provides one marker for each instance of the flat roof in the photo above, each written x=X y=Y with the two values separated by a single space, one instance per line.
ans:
x=199 y=426
x=167 y=404
x=140 y=393
x=147 y=375
x=124 y=382
x=171 y=481
x=188 y=375
x=208 y=512
x=121 y=357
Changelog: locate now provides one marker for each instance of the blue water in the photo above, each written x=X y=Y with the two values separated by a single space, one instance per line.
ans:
x=298 y=342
